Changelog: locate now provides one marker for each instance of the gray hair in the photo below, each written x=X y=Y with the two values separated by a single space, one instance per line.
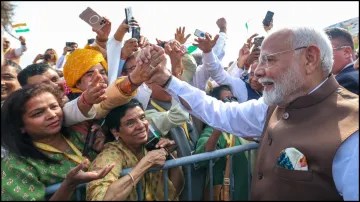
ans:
x=306 y=36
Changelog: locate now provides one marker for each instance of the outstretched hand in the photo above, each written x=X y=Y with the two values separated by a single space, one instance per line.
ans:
x=180 y=35
x=146 y=62
x=206 y=44
x=95 y=93
x=77 y=176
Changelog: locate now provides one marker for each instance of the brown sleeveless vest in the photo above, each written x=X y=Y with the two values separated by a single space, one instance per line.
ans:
x=316 y=125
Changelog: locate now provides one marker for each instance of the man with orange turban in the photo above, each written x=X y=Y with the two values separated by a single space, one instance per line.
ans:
x=79 y=68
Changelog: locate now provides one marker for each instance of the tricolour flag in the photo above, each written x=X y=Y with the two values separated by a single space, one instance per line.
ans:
x=20 y=27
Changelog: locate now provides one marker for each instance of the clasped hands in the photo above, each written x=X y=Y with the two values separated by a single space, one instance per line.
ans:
x=151 y=66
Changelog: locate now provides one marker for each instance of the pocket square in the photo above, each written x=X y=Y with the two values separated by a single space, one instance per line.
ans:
x=292 y=159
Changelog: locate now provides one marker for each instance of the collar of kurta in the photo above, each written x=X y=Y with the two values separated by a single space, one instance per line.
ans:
x=317 y=96
x=165 y=105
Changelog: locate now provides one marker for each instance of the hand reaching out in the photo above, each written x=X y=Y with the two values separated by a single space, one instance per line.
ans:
x=143 y=42
x=77 y=176
x=206 y=44
x=243 y=55
x=221 y=23
x=249 y=42
x=130 y=46
x=95 y=92
x=180 y=35
x=146 y=62
x=174 y=50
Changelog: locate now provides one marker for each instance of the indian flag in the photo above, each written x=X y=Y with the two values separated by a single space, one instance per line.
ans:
x=20 y=27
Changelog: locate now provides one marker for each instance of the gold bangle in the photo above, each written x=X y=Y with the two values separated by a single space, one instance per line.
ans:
x=132 y=178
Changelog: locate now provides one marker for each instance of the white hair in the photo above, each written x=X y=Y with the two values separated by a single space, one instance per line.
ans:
x=306 y=36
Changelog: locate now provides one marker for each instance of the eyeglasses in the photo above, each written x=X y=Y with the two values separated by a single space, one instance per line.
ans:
x=341 y=47
x=264 y=58
x=230 y=99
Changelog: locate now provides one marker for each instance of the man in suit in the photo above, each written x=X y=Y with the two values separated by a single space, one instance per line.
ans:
x=344 y=55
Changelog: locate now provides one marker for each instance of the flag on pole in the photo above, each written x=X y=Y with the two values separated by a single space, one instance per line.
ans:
x=20 y=27
x=247 y=26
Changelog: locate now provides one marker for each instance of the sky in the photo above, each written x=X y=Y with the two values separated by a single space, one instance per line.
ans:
x=53 y=23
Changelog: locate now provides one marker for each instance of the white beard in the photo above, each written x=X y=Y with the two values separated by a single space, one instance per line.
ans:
x=287 y=83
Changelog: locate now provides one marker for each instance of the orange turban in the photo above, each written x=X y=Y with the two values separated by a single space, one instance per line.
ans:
x=78 y=63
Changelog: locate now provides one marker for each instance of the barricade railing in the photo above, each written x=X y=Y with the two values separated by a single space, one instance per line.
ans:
x=187 y=161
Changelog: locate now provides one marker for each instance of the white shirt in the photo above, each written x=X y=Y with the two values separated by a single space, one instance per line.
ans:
x=222 y=77
x=113 y=50
x=201 y=75
x=247 y=119
x=19 y=51
x=73 y=115
x=236 y=71
x=219 y=48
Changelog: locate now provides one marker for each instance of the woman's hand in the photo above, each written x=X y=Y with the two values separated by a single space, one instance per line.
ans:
x=156 y=158
x=38 y=57
x=99 y=141
x=77 y=176
x=165 y=143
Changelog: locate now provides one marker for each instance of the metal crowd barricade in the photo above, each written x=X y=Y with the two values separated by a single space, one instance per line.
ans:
x=187 y=161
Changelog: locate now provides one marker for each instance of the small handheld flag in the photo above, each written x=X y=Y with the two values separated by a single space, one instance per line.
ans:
x=21 y=27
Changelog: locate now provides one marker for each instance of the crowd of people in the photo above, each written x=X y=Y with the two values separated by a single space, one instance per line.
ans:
x=114 y=104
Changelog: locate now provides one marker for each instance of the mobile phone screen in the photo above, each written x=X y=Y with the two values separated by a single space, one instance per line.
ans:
x=136 y=33
x=268 y=18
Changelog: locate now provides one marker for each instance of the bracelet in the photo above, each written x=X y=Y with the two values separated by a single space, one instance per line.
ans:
x=246 y=64
x=132 y=82
x=83 y=100
x=167 y=82
x=101 y=40
x=132 y=178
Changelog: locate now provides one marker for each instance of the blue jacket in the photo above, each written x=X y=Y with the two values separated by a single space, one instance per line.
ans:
x=349 y=79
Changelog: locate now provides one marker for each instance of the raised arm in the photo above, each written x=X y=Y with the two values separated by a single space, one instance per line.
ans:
x=220 y=45
x=245 y=119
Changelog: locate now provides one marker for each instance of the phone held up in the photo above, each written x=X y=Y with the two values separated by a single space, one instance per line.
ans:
x=136 y=33
x=93 y=19
x=268 y=18
x=128 y=14
x=258 y=41
x=199 y=33
x=69 y=44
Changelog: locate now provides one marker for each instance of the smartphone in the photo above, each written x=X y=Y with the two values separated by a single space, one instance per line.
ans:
x=69 y=44
x=258 y=41
x=92 y=18
x=199 y=33
x=150 y=145
x=90 y=41
x=268 y=18
x=136 y=33
x=128 y=14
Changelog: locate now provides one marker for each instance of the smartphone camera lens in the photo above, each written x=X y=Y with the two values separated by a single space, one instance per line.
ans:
x=202 y=34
